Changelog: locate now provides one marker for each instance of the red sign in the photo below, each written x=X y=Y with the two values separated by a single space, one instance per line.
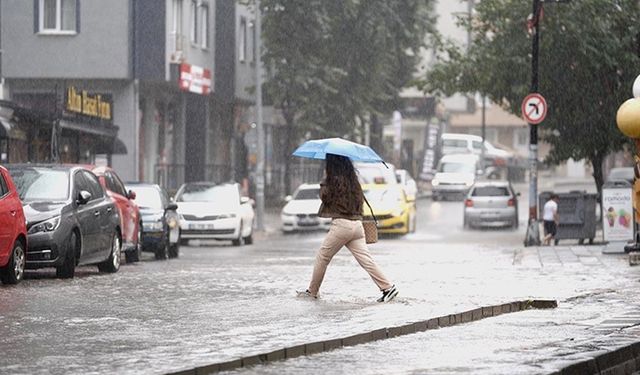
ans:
x=534 y=108
x=195 y=79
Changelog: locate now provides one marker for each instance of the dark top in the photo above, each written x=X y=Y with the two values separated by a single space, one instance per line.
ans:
x=337 y=209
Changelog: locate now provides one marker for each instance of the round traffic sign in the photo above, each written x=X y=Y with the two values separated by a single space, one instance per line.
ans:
x=534 y=108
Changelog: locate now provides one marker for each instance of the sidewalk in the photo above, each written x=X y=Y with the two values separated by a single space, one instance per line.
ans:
x=590 y=287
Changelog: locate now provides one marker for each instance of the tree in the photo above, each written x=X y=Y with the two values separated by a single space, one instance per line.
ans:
x=335 y=64
x=587 y=58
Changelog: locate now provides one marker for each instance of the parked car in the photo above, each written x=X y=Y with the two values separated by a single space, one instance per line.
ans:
x=13 y=232
x=70 y=219
x=130 y=220
x=493 y=203
x=160 y=222
x=455 y=175
x=621 y=173
x=215 y=211
x=396 y=213
x=301 y=210
x=408 y=183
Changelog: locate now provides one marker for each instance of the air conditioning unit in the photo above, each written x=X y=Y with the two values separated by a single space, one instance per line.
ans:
x=176 y=45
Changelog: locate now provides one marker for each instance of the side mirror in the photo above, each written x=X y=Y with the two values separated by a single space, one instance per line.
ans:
x=131 y=195
x=244 y=200
x=288 y=198
x=83 y=197
x=517 y=194
x=172 y=206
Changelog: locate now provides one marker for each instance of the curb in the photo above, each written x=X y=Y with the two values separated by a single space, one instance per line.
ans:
x=624 y=360
x=379 y=334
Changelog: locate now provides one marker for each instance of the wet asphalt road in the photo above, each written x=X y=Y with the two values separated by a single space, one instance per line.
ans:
x=218 y=302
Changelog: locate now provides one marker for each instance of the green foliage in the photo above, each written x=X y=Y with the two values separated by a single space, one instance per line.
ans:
x=587 y=63
x=334 y=61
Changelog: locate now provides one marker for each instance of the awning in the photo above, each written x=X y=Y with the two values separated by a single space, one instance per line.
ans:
x=119 y=148
x=103 y=130
x=5 y=127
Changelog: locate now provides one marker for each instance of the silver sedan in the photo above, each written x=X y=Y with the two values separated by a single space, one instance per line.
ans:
x=491 y=203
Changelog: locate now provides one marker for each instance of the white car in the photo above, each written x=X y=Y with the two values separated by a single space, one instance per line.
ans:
x=455 y=175
x=408 y=183
x=301 y=210
x=456 y=143
x=214 y=211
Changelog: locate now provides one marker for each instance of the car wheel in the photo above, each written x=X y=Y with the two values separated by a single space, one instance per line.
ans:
x=68 y=268
x=162 y=251
x=112 y=264
x=13 y=272
x=249 y=239
x=465 y=222
x=183 y=242
x=435 y=198
x=240 y=240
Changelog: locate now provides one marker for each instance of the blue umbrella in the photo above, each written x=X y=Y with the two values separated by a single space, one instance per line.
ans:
x=319 y=148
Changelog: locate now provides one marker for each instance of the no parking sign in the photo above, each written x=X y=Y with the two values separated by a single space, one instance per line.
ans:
x=534 y=108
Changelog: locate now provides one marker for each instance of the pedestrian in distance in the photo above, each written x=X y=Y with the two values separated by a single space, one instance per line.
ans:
x=342 y=201
x=551 y=219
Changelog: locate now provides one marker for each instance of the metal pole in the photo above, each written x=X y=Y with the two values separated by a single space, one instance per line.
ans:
x=484 y=134
x=260 y=125
x=533 y=232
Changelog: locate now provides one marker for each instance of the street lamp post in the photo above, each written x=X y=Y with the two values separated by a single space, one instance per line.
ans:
x=259 y=124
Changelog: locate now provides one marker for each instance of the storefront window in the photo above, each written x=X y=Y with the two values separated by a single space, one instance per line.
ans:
x=57 y=16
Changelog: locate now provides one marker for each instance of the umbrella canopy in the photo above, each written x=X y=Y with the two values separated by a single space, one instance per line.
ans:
x=319 y=148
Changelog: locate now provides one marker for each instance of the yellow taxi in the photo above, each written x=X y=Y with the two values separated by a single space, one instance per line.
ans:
x=396 y=213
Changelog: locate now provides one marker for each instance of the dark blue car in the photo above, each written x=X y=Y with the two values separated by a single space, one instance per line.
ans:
x=160 y=224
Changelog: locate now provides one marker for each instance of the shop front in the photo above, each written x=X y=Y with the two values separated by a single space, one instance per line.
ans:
x=76 y=127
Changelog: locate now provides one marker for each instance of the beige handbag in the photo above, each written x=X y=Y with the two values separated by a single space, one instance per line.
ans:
x=370 y=226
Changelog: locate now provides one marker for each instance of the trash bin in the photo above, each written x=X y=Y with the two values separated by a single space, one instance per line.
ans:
x=578 y=216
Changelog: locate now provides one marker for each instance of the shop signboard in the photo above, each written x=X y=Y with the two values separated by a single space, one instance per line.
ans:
x=195 y=79
x=88 y=105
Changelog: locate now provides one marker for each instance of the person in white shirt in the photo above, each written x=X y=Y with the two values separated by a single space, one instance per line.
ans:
x=550 y=218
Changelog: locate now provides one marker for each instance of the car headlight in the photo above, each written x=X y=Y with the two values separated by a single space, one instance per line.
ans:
x=398 y=212
x=154 y=226
x=46 y=226
x=468 y=183
x=287 y=214
x=435 y=182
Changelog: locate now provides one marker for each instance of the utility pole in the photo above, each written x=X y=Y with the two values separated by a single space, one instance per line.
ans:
x=259 y=124
x=533 y=231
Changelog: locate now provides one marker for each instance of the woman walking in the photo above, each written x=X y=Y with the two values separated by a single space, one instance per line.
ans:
x=342 y=200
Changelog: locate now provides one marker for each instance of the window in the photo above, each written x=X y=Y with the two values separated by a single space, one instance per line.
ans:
x=57 y=16
x=252 y=37
x=194 y=21
x=91 y=183
x=177 y=17
x=242 y=40
x=3 y=186
x=119 y=186
x=204 y=17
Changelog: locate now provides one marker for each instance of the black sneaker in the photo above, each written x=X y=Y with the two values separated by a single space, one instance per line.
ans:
x=306 y=294
x=388 y=294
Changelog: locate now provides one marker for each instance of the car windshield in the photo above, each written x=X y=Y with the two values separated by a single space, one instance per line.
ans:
x=41 y=184
x=490 y=191
x=456 y=167
x=307 y=194
x=373 y=174
x=382 y=195
x=147 y=197
x=223 y=195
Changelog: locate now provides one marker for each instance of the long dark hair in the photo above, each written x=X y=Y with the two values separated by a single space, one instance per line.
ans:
x=342 y=182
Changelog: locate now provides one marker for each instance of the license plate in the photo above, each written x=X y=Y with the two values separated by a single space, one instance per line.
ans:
x=308 y=221
x=201 y=226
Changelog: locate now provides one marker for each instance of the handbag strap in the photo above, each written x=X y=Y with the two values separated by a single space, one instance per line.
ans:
x=370 y=209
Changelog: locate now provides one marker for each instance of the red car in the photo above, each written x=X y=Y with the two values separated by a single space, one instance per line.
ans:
x=13 y=232
x=131 y=222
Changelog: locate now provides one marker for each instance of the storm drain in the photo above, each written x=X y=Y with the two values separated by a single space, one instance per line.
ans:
x=363 y=338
